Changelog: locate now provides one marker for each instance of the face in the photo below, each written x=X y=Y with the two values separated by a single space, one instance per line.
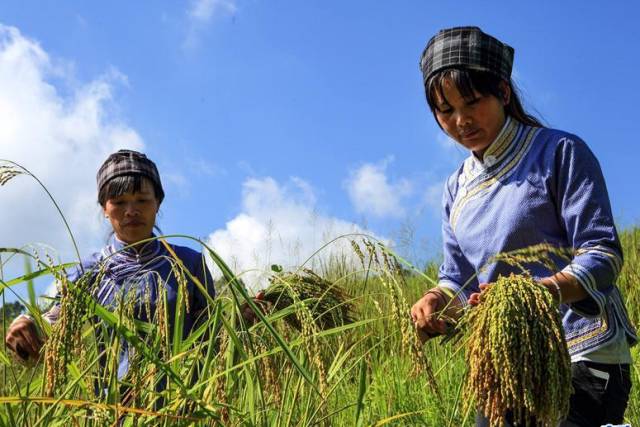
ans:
x=133 y=215
x=474 y=123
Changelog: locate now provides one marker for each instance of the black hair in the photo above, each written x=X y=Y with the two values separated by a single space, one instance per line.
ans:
x=126 y=184
x=467 y=80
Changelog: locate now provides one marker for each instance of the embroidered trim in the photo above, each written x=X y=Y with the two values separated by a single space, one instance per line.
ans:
x=604 y=326
x=501 y=143
x=610 y=256
x=459 y=203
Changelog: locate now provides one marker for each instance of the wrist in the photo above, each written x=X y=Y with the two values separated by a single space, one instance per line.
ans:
x=441 y=298
x=553 y=286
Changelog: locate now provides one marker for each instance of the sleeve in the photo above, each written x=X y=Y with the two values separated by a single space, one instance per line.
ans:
x=53 y=314
x=586 y=215
x=456 y=273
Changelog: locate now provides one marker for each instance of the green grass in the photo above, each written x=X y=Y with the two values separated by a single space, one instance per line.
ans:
x=369 y=371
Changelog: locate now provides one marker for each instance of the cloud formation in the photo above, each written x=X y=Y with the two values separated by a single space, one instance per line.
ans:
x=61 y=131
x=372 y=193
x=199 y=16
x=279 y=224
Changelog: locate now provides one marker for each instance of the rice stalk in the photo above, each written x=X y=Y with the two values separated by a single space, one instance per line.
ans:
x=328 y=303
x=516 y=354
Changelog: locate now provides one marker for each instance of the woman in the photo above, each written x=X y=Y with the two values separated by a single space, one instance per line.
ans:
x=130 y=193
x=522 y=185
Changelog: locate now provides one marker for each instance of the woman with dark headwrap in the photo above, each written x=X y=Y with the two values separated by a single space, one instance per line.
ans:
x=134 y=264
x=522 y=185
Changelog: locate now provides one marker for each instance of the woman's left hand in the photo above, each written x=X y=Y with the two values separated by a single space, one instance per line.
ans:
x=476 y=297
x=248 y=314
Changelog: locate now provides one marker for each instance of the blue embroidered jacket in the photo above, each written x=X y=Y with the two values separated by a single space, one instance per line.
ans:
x=141 y=275
x=537 y=185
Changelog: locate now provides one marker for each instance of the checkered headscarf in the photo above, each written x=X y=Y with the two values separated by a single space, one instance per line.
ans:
x=129 y=162
x=466 y=47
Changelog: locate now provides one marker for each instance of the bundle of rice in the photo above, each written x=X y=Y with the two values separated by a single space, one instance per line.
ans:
x=517 y=355
x=328 y=304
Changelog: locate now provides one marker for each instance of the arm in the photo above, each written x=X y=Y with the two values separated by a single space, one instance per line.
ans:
x=455 y=277
x=585 y=212
x=23 y=336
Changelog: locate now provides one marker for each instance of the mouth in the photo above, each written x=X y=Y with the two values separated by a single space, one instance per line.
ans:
x=134 y=224
x=470 y=134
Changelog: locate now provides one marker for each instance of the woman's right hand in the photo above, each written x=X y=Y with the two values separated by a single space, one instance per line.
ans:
x=476 y=297
x=23 y=339
x=425 y=312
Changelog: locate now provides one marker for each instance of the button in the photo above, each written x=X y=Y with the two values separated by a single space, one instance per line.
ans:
x=490 y=160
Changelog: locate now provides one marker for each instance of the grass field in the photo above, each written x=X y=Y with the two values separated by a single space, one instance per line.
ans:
x=348 y=358
x=371 y=371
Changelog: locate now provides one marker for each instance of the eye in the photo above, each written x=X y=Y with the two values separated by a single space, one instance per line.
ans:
x=445 y=110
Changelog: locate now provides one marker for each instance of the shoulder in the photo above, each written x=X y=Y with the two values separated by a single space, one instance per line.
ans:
x=556 y=138
x=559 y=146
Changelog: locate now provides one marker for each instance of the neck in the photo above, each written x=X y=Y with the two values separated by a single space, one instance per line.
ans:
x=480 y=153
x=137 y=246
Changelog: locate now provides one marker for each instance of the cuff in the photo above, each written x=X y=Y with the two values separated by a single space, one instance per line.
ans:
x=593 y=305
x=453 y=290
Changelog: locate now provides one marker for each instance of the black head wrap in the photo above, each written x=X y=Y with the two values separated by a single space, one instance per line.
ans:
x=129 y=162
x=466 y=47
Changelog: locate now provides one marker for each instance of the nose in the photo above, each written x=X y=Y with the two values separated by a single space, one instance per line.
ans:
x=463 y=118
x=131 y=210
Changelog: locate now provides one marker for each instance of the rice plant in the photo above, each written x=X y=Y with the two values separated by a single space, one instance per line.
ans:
x=332 y=348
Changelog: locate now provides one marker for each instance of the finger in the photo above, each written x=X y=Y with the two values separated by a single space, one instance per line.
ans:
x=29 y=343
x=431 y=322
x=22 y=354
x=484 y=286
x=474 y=299
x=423 y=336
x=434 y=325
x=14 y=340
x=260 y=296
x=10 y=342
x=422 y=318
x=425 y=329
x=414 y=313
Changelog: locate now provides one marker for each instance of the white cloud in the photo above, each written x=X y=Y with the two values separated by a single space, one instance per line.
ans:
x=200 y=14
x=371 y=192
x=279 y=224
x=203 y=167
x=203 y=10
x=61 y=132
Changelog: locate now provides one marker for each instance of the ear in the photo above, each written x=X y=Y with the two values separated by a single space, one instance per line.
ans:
x=505 y=90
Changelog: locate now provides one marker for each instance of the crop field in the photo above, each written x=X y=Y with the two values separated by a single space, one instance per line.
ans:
x=335 y=347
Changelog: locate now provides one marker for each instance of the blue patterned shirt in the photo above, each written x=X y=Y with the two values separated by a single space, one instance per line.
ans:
x=537 y=185
x=143 y=273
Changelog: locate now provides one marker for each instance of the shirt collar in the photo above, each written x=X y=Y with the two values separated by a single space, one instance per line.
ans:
x=496 y=150
x=148 y=248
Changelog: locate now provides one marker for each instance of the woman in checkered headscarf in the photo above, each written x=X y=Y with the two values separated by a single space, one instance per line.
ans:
x=133 y=263
x=522 y=185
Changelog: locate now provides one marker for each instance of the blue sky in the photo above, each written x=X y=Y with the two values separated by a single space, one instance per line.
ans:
x=279 y=124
